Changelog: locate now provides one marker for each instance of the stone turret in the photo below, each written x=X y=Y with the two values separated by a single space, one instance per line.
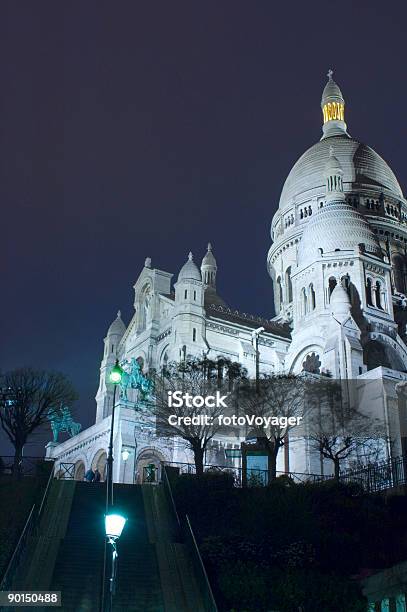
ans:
x=104 y=395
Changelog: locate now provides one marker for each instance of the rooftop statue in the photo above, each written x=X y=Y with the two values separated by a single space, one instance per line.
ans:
x=61 y=420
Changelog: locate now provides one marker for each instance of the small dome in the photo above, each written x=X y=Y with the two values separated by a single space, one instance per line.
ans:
x=336 y=227
x=209 y=258
x=189 y=270
x=117 y=328
x=333 y=163
x=340 y=302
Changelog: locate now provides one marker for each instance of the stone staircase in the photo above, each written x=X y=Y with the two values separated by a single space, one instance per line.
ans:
x=154 y=570
x=79 y=562
x=178 y=582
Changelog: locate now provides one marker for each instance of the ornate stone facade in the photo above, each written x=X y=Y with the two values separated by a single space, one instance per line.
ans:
x=339 y=268
x=169 y=322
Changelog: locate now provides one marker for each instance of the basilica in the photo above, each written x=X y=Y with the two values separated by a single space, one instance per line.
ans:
x=338 y=265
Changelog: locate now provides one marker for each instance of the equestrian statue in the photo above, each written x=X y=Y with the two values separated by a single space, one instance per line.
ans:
x=133 y=378
x=61 y=420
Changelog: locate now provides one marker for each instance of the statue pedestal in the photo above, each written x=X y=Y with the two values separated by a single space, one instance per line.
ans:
x=49 y=448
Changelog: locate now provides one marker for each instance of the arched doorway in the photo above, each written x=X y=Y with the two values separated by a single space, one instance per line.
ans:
x=99 y=463
x=79 y=470
x=148 y=466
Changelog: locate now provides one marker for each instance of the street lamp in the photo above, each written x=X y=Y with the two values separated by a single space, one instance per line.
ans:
x=114 y=524
x=115 y=378
x=255 y=338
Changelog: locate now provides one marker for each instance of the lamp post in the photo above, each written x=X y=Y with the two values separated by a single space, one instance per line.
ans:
x=255 y=338
x=114 y=524
x=115 y=378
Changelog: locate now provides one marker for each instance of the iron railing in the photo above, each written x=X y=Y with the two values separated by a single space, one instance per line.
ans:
x=30 y=529
x=27 y=466
x=377 y=477
x=254 y=476
x=372 y=478
x=66 y=471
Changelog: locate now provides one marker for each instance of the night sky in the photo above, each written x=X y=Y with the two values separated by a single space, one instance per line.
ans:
x=131 y=129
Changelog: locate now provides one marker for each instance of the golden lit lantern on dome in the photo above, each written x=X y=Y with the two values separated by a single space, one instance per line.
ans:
x=333 y=104
x=334 y=111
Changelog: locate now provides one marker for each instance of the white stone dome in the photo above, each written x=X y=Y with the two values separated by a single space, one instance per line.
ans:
x=336 y=227
x=209 y=258
x=189 y=270
x=361 y=165
x=340 y=302
x=117 y=328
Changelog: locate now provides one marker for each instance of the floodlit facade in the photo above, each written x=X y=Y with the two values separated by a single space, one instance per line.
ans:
x=338 y=265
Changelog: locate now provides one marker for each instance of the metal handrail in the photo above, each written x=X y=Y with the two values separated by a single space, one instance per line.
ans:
x=190 y=536
x=214 y=607
x=167 y=485
x=16 y=556
x=44 y=497
x=31 y=524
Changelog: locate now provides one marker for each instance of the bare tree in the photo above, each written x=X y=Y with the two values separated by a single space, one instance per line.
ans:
x=27 y=397
x=339 y=430
x=278 y=399
x=179 y=412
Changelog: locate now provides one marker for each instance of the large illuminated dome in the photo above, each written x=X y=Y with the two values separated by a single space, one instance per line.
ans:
x=369 y=187
x=362 y=167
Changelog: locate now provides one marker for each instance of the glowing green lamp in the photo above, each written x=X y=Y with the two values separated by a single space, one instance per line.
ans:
x=116 y=374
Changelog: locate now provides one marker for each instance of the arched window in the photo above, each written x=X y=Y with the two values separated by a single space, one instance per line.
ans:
x=304 y=301
x=279 y=293
x=378 y=295
x=349 y=288
x=194 y=335
x=331 y=286
x=145 y=308
x=369 y=292
x=312 y=297
x=345 y=282
x=289 y=285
